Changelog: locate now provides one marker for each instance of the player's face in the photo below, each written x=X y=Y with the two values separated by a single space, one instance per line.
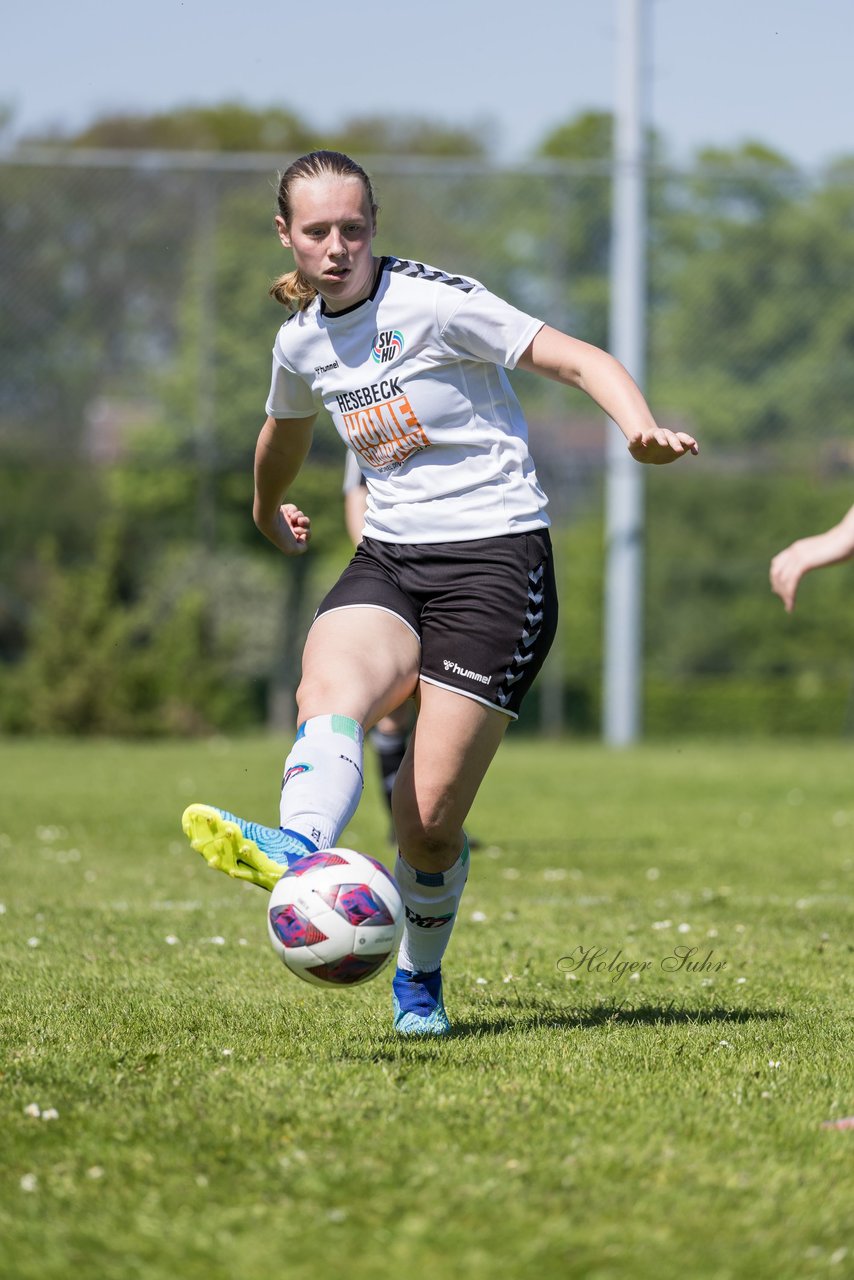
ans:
x=331 y=236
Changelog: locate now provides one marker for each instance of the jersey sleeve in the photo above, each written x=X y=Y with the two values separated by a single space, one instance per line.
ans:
x=290 y=395
x=353 y=477
x=486 y=327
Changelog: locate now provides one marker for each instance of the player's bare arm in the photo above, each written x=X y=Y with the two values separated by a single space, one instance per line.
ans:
x=831 y=547
x=282 y=447
x=578 y=364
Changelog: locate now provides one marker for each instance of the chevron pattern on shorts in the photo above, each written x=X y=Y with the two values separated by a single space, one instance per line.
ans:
x=524 y=652
x=405 y=267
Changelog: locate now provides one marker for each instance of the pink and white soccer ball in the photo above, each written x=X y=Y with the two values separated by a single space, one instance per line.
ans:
x=335 y=918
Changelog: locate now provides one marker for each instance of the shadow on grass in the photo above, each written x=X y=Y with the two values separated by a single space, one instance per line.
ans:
x=523 y=1018
x=618 y=1013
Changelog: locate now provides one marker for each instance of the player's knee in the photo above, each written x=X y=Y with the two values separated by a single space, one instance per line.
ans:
x=426 y=839
x=319 y=694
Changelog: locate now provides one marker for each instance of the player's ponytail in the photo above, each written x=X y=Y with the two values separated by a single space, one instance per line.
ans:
x=292 y=289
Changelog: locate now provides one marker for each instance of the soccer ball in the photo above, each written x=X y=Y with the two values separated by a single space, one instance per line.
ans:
x=335 y=918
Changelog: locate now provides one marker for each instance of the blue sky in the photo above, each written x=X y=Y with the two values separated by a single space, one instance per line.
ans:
x=720 y=71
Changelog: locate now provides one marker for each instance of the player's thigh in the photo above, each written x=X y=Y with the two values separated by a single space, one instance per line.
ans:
x=360 y=662
x=452 y=746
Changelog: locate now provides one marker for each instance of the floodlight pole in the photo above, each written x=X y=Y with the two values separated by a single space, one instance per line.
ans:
x=624 y=477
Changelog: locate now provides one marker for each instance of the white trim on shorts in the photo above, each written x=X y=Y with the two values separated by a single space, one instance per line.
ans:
x=381 y=608
x=464 y=693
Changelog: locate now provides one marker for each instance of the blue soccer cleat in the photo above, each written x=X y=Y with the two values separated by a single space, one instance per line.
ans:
x=417 y=1004
x=243 y=850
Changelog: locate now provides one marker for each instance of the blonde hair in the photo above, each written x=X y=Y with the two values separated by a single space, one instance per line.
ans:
x=292 y=289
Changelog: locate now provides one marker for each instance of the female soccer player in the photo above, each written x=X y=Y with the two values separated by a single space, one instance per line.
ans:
x=821 y=549
x=450 y=596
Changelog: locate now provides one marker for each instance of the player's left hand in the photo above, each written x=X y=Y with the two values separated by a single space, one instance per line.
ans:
x=660 y=446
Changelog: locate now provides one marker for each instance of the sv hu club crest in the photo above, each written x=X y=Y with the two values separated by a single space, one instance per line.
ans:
x=387 y=346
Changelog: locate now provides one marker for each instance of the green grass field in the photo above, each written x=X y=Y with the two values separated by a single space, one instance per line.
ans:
x=219 y=1119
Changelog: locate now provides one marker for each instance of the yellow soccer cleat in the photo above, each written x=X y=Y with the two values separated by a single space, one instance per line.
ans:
x=243 y=850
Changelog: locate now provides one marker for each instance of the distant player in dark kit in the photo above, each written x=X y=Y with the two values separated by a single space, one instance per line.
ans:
x=450 y=597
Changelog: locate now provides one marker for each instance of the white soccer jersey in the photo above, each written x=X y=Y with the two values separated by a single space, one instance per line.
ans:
x=413 y=378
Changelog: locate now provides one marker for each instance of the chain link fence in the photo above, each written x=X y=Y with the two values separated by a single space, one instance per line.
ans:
x=136 y=332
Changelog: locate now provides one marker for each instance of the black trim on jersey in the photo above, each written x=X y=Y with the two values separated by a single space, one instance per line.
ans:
x=418 y=271
x=333 y=315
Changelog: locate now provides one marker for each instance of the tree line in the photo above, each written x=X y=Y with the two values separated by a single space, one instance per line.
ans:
x=138 y=293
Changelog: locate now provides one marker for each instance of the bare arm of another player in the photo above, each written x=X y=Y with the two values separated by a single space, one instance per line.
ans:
x=831 y=547
x=279 y=454
x=578 y=364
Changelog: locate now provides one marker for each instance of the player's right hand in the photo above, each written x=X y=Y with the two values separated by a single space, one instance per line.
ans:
x=289 y=530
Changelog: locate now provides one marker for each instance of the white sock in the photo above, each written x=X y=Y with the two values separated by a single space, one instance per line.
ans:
x=431 y=901
x=323 y=779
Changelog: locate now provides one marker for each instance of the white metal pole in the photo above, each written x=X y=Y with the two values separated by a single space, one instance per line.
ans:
x=624 y=479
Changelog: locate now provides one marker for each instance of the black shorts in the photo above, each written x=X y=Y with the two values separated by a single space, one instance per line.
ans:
x=485 y=611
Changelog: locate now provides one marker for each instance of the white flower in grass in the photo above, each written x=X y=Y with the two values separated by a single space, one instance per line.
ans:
x=766 y=1094
x=34 y=942
x=772 y=1064
x=510 y=977
x=634 y=977
x=337 y=1215
x=217 y=941
x=95 y=1172
x=838 y=1255
x=684 y=928
x=241 y=942
x=724 y=1044
x=171 y=940
x=2 y=908
x=33 y=1110
x=478 y=917
x=740 y=981
x=662 y=924
x=226 y=1053
x=481 y=982
x=50 y=1113
x=29 y=1182
x=652 y=873
x=711 y=933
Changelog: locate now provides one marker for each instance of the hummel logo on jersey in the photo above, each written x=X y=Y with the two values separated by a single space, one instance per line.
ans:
x=387 y=346
x=450 y=665
x=324 y=368
x=428 y=922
